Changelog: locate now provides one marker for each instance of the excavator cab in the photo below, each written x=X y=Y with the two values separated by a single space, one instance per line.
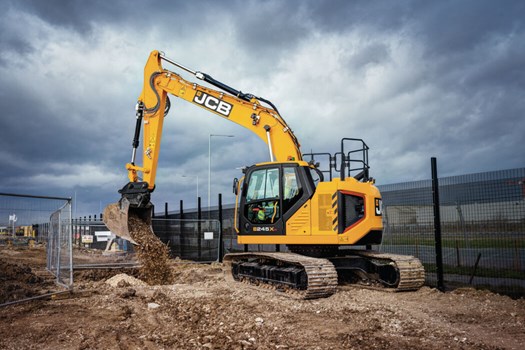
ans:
x=270 y=194
x=290 y=203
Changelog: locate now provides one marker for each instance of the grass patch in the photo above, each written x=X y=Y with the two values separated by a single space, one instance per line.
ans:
x=459 y=242
x=480 y=271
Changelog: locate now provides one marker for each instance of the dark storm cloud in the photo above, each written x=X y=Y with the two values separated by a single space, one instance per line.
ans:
x=456 y=26
x=415 y=78
x=36 y=133
x=341 y=15
x=443 y=26
x=74 y=15
x=12 y=41
x=270 y=28
x=83 y=16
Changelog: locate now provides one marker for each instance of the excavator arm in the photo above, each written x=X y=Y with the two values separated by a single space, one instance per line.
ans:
x=153 y=104
x=240 y=108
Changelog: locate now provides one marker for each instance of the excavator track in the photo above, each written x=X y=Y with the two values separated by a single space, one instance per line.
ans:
x=406 y=272
x=411 y=270
x=298 y=276
x=303 y=277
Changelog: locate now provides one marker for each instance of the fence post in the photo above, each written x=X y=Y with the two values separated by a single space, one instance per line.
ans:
x=221 y=248
x=517 y=259
x=165 y=227
x=199 y=217
x=85 y=229
x=417 y=245
x=475 y=269
x=70 y=243
x=458 y=260
x=75 y=232
x=437 y=225
x=181 y=232
x=78 y=222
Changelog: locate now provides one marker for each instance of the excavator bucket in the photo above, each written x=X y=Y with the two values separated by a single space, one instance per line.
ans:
x=117 y=218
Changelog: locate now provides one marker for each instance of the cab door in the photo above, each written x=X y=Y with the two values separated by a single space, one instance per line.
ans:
x=271 y=194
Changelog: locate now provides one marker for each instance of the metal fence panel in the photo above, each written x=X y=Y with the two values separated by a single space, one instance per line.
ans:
x=25 y=219
x=59 y=247
x=190 y=239
x=95 y=235
x=408 y=221
x=482 y=222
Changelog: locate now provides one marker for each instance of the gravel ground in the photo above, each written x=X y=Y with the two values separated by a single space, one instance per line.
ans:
x=113 y=309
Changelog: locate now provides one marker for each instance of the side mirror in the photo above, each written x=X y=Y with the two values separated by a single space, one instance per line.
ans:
x=235 y=186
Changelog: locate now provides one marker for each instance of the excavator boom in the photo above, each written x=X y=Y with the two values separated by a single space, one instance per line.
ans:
x=153 y=104
x=233 y=105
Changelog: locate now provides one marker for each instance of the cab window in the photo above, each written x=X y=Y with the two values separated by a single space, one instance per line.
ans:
x=292 y=190
x=262 y=197
x=263 y=184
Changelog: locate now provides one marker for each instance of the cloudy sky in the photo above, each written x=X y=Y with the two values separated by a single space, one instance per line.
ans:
x=414 y=79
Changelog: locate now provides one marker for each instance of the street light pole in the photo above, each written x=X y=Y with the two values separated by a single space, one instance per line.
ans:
x=209 y=168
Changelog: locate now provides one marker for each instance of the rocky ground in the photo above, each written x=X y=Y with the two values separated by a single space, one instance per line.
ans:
x=113 y=309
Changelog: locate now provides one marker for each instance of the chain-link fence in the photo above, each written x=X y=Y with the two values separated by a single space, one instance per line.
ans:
x=189 y=239
x=59 y=246
x=94 y=234
x=26 y=220
x=482 y=227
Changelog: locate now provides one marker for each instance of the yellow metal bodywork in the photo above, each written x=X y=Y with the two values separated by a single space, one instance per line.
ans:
x=251 y=115
x=316 y=221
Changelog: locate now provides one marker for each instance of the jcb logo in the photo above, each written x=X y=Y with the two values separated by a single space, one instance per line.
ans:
x=379 y=207
x=213 y=103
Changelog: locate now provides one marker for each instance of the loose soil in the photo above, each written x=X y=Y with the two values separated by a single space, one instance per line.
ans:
x=152 y=254
x=115 y=309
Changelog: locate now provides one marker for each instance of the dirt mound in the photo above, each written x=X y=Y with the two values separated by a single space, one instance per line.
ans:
x=17 y=281
x=153 y=255
x=195 y=273
x=101 y=274
x=124 y=280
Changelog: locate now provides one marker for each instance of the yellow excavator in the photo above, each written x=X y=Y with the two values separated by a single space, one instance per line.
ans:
x=286 y=201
